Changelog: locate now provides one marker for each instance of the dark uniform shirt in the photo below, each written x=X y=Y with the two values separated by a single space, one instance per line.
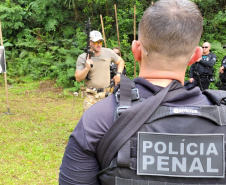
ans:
x=223 y=75
x=223 y=63
x=79 y=165
x=204 y=66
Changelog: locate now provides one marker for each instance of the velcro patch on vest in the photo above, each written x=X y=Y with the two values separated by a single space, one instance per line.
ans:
x=181 y=155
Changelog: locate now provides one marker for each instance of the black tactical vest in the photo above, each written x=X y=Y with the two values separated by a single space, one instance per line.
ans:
x=175 y=146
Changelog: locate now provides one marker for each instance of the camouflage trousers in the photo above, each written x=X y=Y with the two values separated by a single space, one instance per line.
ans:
x=92 y=97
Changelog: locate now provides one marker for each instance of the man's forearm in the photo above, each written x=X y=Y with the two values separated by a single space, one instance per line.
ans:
x=120 y=65
x=191 y=72
x=81 y=75
x=209 y=63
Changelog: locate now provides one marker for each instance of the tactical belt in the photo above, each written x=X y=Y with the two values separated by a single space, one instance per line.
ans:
x=102 y=90
x=97 y=90
x=205 y=75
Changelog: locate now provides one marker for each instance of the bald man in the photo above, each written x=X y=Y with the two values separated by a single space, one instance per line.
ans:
x=202 y=71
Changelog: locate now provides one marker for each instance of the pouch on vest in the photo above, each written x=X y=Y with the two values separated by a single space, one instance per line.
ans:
x=159 y=145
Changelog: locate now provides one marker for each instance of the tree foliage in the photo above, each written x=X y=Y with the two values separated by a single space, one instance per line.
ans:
x=44 y=38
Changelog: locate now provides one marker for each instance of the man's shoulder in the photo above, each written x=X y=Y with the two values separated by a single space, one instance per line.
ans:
x=107 y=50
x=212 y=54
x=81 y=58
x=81 y=61
x=83 y=55
x=224 y=60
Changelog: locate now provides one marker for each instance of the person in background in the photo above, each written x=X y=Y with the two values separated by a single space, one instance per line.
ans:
x=201 y=72
x=117 y=51
x=222 y=72
x=113 y=67
x=97 y=83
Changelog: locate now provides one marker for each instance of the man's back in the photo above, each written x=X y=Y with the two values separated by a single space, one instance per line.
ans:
x=89 y=131
x=178 y=143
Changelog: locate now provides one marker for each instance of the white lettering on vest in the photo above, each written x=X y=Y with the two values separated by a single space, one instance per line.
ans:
x=161 y=162
x=209 y=166
x=146 y=145
x=212 y=149
x=147 y=160
x=196 y=165
x=189 y=149
x=176 y=163
x=171 y=149
x=160 y=147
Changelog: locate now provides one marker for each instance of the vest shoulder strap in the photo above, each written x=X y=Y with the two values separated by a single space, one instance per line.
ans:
x=217 y=114
x=127 y=124
x=125 y=94
x=218 y=97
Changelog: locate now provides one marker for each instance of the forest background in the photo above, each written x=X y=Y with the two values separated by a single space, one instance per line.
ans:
x=43 y=38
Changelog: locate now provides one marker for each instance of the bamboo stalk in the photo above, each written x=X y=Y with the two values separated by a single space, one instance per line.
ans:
x=1 y=33
x=116 y=19
x=134 y=27
x=102 y=24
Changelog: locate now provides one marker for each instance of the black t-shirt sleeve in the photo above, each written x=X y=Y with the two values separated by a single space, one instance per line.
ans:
x=210 y=62
x=79 y=164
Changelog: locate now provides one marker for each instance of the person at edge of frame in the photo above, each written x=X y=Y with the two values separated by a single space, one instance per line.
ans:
x=113 y=67
x=222 y=73
x=201 y=73
x=97 y=86
x=163 y=57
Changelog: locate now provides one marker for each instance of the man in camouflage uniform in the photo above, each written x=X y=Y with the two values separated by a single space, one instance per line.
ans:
x=97 y=86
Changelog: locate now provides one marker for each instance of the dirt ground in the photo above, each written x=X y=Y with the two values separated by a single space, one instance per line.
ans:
x=41 y=94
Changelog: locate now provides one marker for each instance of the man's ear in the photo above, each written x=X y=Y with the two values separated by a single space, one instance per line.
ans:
x=197 y=55
x=136 y=49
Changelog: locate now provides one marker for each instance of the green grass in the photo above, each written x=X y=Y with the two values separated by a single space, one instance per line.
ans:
x=34 y=137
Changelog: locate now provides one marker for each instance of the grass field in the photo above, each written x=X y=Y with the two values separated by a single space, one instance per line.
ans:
x=33 y=137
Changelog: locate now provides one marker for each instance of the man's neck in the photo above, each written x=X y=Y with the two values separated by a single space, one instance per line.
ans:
x=163 y=72
x=206 y=53
x=162 y=78
x=97 y=54
x=160 y=82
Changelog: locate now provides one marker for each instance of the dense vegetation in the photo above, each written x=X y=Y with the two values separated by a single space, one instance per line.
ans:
x=44 y=38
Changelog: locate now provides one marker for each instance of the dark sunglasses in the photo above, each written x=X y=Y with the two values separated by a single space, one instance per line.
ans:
x=204 y=46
